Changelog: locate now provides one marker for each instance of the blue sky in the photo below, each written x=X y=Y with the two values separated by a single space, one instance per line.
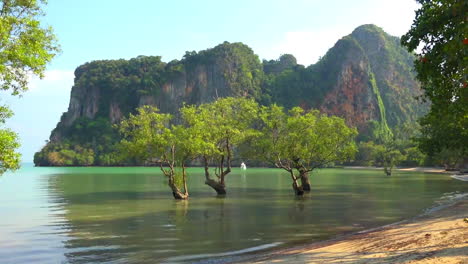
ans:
x=112 y=29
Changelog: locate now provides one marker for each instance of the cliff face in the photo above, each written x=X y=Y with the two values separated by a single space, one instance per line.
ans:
x=113 y=89
x=366 y=77
x=351 y=96
x=392 y=67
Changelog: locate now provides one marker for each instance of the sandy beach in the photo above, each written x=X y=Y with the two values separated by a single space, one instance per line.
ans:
x=440 y=236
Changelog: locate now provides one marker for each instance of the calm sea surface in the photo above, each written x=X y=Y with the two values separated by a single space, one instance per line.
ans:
x=128 y=215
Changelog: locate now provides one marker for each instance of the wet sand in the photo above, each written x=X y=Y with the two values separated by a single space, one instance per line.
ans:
x=437 y=237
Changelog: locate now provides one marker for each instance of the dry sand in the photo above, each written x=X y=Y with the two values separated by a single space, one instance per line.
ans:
x=437 y=237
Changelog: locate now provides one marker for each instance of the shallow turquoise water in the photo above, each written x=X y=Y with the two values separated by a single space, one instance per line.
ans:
x=127 y=215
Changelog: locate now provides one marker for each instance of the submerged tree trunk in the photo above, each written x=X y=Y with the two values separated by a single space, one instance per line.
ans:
x=305 y=182
x=298 y=190
x=219 y=187
x=388 y=167
x=178 y=195
x=388 y=171
x=176 y=192
x=184 y=179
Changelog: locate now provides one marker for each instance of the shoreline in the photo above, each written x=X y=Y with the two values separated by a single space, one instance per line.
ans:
x=453 y=174
x=415 y=169
x=437 y=236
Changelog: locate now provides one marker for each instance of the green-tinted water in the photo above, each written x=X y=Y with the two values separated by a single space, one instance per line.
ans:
x=127 y=215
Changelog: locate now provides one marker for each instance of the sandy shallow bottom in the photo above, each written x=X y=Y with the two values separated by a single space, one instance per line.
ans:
x=438 y=237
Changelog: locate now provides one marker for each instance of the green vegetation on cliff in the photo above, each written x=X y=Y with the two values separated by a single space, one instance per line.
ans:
x=381 y=131
x=238 y=66
x=365 y=78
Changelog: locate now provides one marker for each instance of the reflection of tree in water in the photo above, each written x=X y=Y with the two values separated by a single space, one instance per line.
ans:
x=126 y=218
x=104 y=224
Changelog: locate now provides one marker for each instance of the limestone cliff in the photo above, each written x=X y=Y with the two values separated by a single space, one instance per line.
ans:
x=112 y=89
x=366 y=77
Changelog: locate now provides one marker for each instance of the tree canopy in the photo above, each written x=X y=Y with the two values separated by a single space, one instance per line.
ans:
x=9 y=158
x=209 y=132
x=214 y=133
x=25 y=49
x=440 y=27
x=25 y=46
x=149 y=136
x=221 y=126
x=300 y=141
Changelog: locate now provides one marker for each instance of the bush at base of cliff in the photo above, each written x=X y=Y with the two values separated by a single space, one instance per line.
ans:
x=63 y=155
x=112 y=159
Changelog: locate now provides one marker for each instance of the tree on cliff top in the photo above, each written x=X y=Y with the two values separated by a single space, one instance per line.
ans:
x=441 y=28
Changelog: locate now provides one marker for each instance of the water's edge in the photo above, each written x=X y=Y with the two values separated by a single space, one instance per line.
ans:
x=125 y=215
x=268 y=252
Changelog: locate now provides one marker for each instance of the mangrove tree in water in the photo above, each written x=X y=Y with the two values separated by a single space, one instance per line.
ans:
x=300 y=141
x=220 y=126
x=149 y=136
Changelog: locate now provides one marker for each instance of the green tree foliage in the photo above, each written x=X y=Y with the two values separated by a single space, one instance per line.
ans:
x=285 y=62
x=391 y=76
x=389 y=156
x=395 y=148
x=367 y=53
x=122 y=81
x=9 y=158
x=121 y=86
x=297 y=141
x=367 y=154
x=219 y=127
x=300 y=141
x=440 y=27
x=413 y=157
x=63 y=154
x=240 y=67
x=366 y=59
x=149 y=136
x=450 y=159
x=297 y=85
x=25 y=46
x=92 y=142
x=405 y=139
x=376 y=131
